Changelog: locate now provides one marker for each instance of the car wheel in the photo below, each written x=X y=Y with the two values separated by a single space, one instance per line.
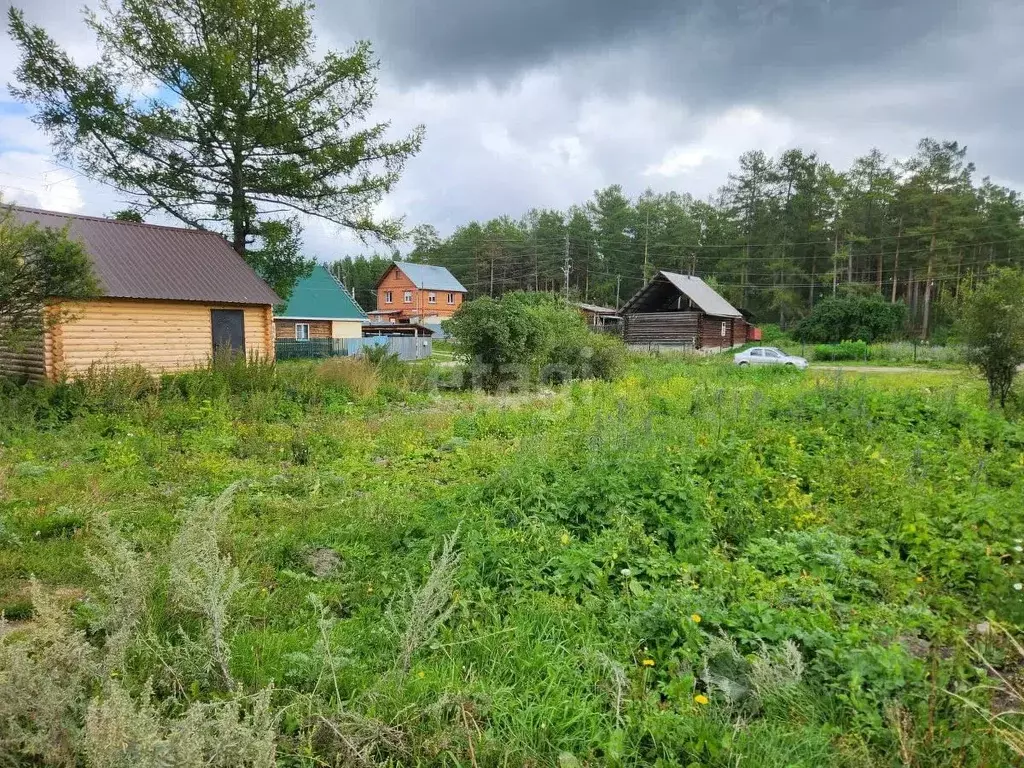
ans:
x=743 y=362
x=791 y=365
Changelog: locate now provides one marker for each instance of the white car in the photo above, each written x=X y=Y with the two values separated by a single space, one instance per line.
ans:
x=768 y=356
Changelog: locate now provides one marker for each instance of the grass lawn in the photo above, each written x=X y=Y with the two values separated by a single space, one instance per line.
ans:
x=695 y=565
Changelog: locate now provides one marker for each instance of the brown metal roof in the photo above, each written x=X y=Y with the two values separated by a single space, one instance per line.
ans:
x=145 y=261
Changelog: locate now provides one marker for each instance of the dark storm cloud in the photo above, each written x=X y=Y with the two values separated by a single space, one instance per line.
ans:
x=536 y=103
x=704 y=48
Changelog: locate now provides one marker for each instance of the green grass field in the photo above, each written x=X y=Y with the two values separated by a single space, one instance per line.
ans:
x=696 y=565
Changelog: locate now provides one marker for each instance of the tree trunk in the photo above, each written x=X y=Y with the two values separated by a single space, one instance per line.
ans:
x=239 y=214
x=896 y=261
x=928 y=282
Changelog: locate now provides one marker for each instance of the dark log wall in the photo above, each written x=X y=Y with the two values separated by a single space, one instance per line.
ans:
x=27 y=362
x=711 y=336
x=662 y=328
x=739 y=331
x=684 y=328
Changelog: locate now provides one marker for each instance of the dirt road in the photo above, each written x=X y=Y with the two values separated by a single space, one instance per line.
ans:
x=882 y=369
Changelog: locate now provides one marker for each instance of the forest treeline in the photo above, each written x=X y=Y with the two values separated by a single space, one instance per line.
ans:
x=782 y=233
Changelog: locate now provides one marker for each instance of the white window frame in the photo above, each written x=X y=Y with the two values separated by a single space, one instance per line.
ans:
x=304 y=334
x=724 y=326
x=407 y=297
x=387 y=297
x=431 y=298
x=451 y=298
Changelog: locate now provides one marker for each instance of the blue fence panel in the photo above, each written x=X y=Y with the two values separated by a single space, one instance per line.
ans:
x=406 y=347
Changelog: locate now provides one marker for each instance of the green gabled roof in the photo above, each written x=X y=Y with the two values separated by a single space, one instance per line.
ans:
x=320 y=297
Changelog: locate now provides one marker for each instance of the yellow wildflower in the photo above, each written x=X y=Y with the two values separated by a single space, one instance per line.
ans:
x=695 y=618
x=565 y=539
x=421 y=674
x=700 y=698
x=919 y=579
x=648 y=662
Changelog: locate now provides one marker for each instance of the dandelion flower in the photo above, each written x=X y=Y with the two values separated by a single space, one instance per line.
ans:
x=695 y=618
x=1018 y=586
x=701 y=699
x=626 y=572
x=648 y=662
x=565 y=539
x=421 y=674
x=919 y=579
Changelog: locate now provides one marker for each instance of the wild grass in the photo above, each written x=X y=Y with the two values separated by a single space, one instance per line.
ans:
x=357 y=374
x=691 y=565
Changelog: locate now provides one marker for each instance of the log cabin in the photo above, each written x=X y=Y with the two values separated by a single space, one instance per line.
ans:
x=319 y=308
x=170 y=298
x=681 y=311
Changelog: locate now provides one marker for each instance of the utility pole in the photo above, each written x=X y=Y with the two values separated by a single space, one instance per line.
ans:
x=896 y=262
x=647 y=237
x=618 y=284
x=567 y=266
x=835 y=263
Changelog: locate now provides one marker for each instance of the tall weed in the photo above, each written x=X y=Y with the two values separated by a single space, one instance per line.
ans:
x=202 y=579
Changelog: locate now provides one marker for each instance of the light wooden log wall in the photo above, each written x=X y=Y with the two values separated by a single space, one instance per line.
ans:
x=162 y=336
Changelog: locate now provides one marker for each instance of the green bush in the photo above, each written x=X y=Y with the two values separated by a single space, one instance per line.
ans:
x=523 y=338
x=991 y=325
x=607 y=356
x=773 y=334
x=867 y=318
x=845 y=350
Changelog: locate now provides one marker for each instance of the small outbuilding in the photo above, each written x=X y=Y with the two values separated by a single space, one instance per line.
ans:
x=397 y=329
x=170 y=299
x=598 y=317
x=676 y=310
x=319 y=308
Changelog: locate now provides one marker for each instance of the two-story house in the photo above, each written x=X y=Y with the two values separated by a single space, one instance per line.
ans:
x=417 y=293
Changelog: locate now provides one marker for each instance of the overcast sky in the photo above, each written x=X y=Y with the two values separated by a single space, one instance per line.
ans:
x=537 y=103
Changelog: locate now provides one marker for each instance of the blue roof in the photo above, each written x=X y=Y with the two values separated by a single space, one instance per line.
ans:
x=321 y=297
x=430 y=277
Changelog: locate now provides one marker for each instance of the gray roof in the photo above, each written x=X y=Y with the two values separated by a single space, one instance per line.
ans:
x=701 y=294
x=595 y=308
x=430 y=277
x=145 y=261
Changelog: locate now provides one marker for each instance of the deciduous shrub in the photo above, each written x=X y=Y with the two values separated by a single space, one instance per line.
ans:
x=845 y=350
x=991 y=325
x=866 y=318
x=523 y=338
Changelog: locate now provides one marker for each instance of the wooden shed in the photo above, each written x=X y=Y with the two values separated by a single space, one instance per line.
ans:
x=597 y=316
x=676 y=310
x=171 y=297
